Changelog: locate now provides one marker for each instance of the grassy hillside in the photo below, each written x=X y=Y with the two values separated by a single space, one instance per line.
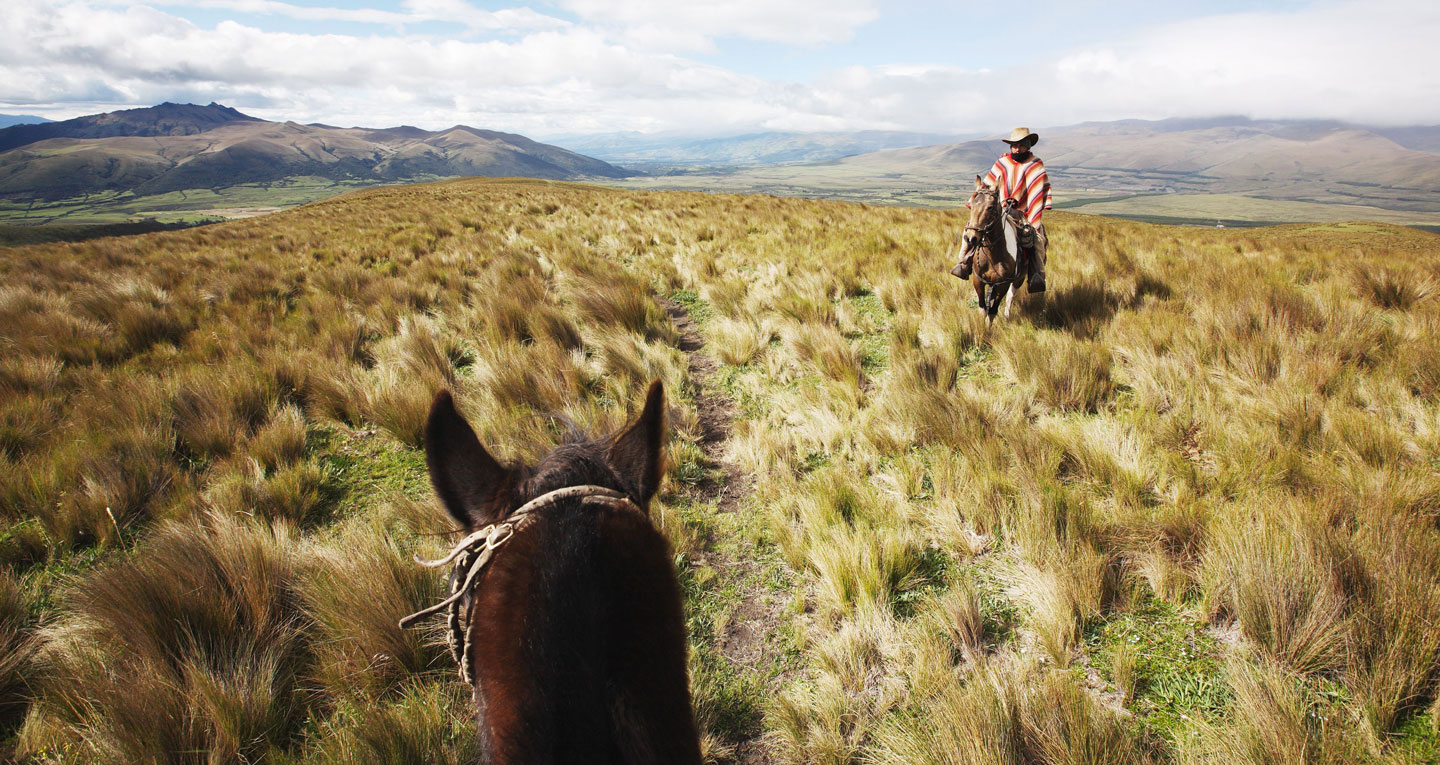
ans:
x=1183 y=510
x=185 y=206
x=179 y=148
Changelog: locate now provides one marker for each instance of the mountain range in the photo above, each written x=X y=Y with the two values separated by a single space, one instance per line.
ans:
x=174 y=147
x=1231 y=169
x=1396 y=168
x=220 y=159
x=748 y=149
x=6 y=120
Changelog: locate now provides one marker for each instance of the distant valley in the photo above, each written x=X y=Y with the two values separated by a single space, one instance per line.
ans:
x=183 y=158
x=181 y=162
x=651 y=152
x=1231 y=170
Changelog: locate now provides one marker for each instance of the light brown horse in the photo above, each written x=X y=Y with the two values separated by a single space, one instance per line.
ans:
x=995 y=272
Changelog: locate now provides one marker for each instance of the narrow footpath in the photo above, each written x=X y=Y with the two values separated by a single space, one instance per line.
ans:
x=745 y=642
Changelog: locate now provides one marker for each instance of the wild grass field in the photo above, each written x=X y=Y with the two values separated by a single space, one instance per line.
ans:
x=187 y=206
x=1182 y=510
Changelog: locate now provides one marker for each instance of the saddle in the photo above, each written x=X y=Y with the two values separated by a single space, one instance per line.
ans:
x=1020 y=241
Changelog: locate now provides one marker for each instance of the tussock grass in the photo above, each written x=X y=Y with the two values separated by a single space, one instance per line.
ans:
x=215 y=410
x=356 y=589
x=17 y=647
x=1286 y=582
x=194 y=646
x=738 y=342
x=280 y=442
x=299 y=493
x=424 y=724
x=1274 y=722
x=960 y=614
x=1066 y=374
x=1011 y=715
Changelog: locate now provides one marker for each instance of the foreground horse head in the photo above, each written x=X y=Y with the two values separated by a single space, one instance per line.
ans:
x=568 y=619
x=995 y=269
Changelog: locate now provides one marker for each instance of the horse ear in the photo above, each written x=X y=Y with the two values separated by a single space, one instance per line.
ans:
x=637 y=455
x=467 y=479
x=979 y=183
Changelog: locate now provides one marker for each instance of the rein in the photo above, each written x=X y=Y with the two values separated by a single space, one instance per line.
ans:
x=472 y=553
x=980 y=231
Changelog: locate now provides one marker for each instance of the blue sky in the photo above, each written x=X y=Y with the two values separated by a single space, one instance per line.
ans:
x=583 y=66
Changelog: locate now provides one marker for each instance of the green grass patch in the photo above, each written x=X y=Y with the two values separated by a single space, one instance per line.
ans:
x=369 y=467
x=1178 y=670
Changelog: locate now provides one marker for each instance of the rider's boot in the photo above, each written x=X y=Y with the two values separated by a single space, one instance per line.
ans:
x=1037 y=265
x=963 y=268
x=1037 y=278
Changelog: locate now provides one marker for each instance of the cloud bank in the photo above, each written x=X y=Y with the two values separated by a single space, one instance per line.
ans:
x=610 y=65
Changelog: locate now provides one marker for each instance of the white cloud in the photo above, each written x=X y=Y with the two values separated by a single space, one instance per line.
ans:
x=416 y=12
x=555 y=76
x=682 y=25
x=1361 y=61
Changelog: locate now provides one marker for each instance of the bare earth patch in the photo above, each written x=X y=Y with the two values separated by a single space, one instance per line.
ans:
x=744 y=642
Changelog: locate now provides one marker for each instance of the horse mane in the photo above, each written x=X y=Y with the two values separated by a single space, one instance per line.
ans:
x=990 y=250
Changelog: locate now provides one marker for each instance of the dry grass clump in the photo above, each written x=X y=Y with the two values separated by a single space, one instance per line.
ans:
x=848 y=534
x=1063 y=591
x=960 y=615
x=835 y=356
x=1273 y=722
x=1066 y=374
x=356 y=588
x=411 y=367
x=1011 y=715
x=300 y=493
x=613 y=298
x=737 y=342
x=422 y=724
x=122 y=480
x=17 y=646
x=216 y=409
x=1287 y=581
x=281 y=440
x=830 y=718
x=194 y=645
x=1393 y=650
x=1393 y=288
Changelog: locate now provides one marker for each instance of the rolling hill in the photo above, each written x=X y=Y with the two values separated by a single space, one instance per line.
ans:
x=173 y=147
x=749 y=149
x=1216 y=155
x=1201 y=169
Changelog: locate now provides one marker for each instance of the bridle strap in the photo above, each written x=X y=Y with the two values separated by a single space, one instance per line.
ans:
x=477 y=548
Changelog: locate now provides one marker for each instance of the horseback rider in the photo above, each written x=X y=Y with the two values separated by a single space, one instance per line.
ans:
x=1025 y=189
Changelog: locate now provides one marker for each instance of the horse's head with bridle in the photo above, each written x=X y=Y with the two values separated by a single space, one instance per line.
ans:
x=564 y=609
x=994 y=268
x=985 y=214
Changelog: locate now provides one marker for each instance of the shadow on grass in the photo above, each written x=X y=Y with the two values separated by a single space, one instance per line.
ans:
x=1082 y=308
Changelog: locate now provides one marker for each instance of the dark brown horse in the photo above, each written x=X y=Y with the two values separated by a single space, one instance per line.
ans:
x=570 y=625
x=995 y=272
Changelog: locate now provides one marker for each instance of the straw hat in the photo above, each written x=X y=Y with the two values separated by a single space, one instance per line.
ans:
x=1022 y=135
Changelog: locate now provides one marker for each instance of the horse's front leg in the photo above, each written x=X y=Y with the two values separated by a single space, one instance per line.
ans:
x=979 y=295
x=1009 y=298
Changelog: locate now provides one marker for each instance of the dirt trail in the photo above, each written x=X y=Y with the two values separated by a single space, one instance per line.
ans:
x=757 y=615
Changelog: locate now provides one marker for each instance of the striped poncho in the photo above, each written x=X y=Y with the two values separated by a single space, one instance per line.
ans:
x=1026 y=183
